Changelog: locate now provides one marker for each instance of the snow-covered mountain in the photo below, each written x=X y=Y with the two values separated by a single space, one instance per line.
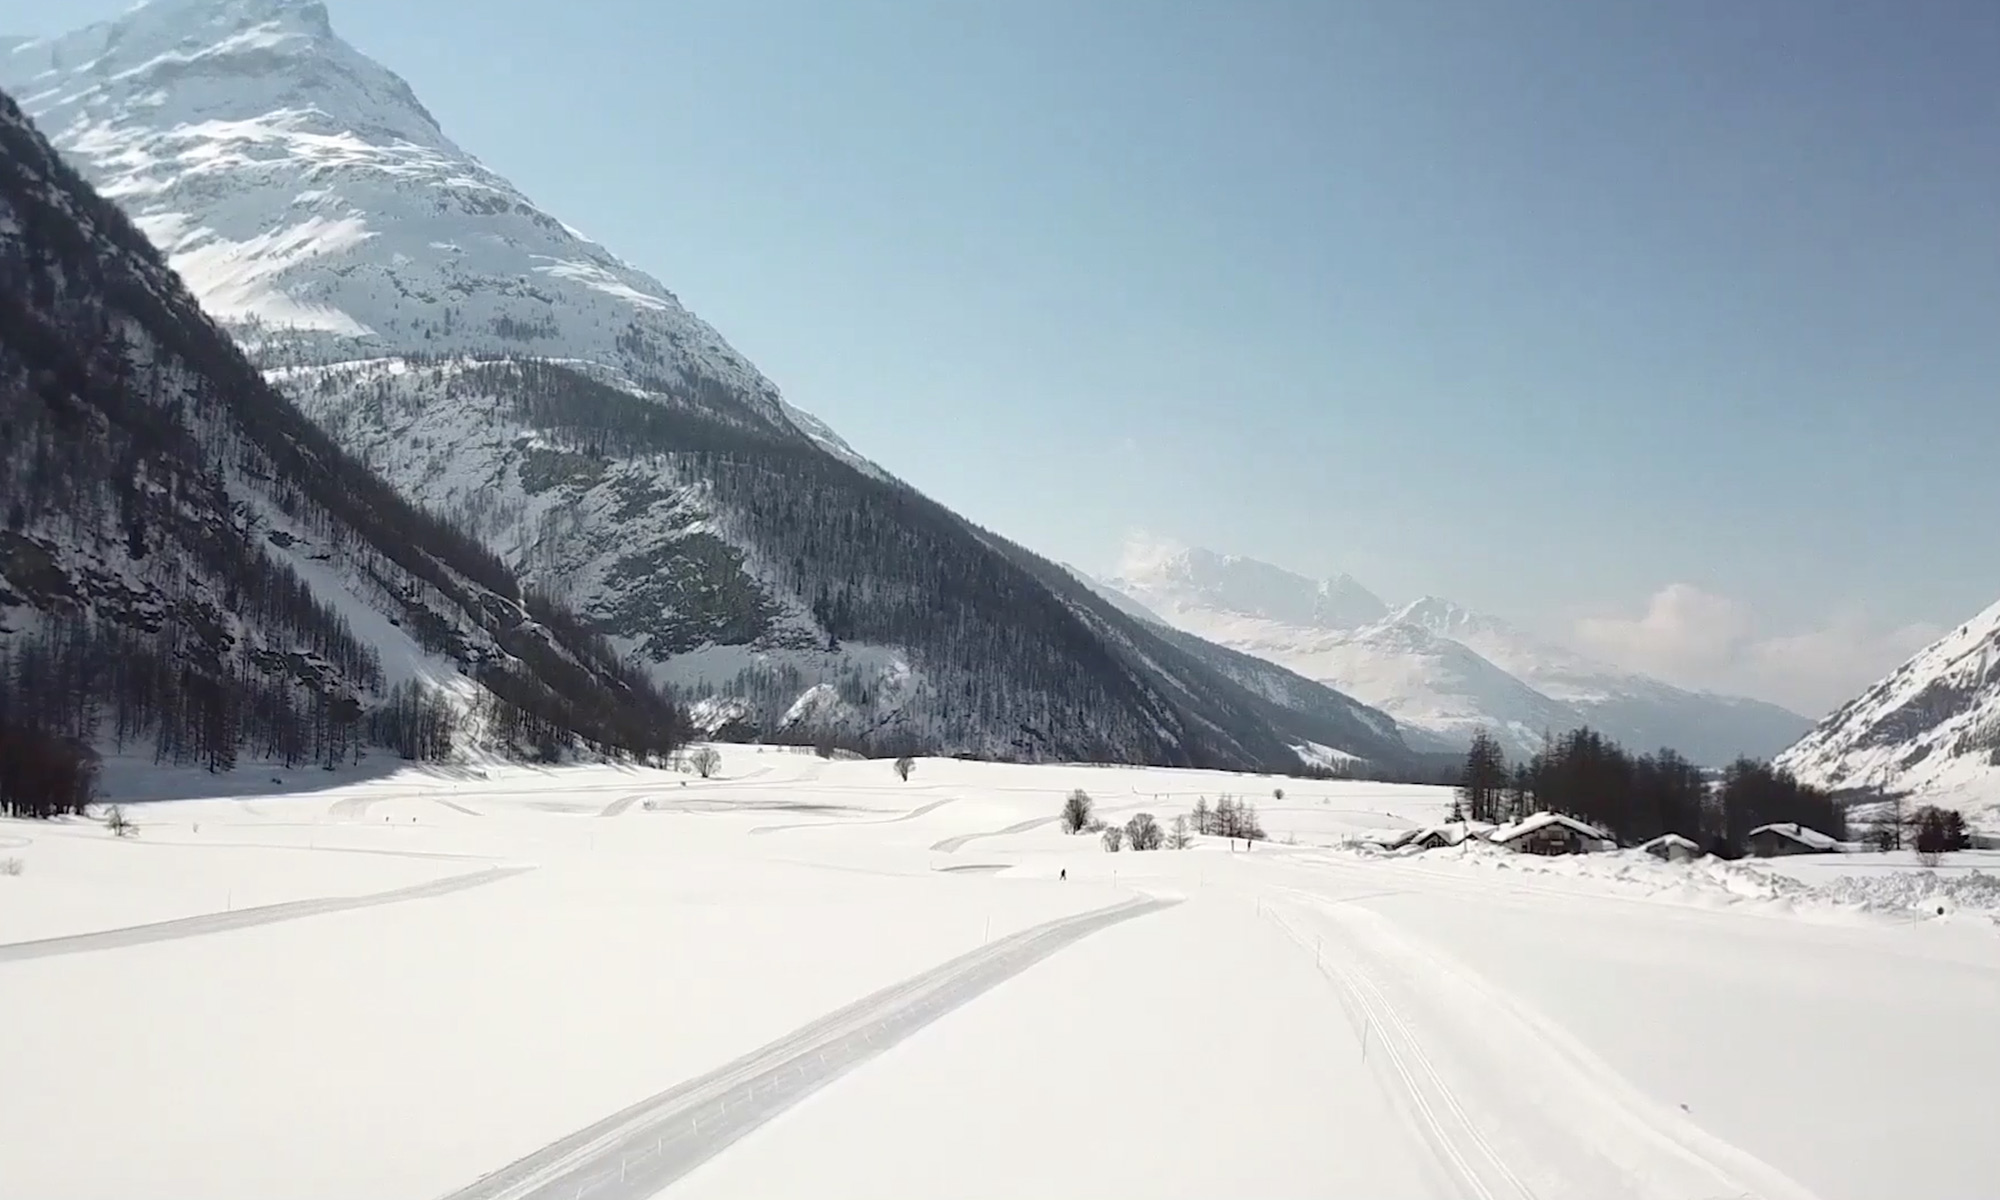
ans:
x=1638 y=710
x=1439 y=669
x=191 y=565
x=1202 y=580
x=1931 y=729
x=315 y=206
x=505 y=372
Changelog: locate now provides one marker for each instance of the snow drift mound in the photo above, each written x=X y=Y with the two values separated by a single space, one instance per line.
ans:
x=1709 y=882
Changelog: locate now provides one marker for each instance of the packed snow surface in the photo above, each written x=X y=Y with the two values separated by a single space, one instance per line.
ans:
x=807 y=977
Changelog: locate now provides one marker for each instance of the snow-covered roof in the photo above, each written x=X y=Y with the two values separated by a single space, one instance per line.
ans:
x=1670 y=839
x=1542 y=820
x=1801 y=834
x=1452 y=832
x=1389 y=839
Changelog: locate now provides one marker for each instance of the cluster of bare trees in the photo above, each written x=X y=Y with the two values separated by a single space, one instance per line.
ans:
x=1929 y=830
x=1229 y=817
x=415 y=721
x=43 y=775
x=1142 y=831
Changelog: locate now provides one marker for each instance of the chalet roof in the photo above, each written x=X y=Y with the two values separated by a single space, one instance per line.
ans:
x=1389 y=839
x=1670 y=839
x=1804 y=835
x=1542 y=820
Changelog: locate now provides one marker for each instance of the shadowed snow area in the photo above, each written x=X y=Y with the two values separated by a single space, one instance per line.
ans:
x=608 y=983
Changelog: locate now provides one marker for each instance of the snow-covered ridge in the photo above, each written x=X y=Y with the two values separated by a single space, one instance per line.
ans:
x=313 y=204
x=1931 y=728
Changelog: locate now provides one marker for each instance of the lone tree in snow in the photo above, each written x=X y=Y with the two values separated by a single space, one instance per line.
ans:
x=1180 y=838
x=1076 y=811
x=1892 y=821
x=904 y=766
x=1202 y=817
x=1144 y=833
x=1939 y=832
x=1278 y=794
x=706 y=761
x=118 y=823
x=1114 y=838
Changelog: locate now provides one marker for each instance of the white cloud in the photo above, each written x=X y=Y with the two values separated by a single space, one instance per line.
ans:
x=1700 y=639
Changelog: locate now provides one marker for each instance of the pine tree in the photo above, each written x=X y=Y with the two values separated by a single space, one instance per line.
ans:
x=1483 y=779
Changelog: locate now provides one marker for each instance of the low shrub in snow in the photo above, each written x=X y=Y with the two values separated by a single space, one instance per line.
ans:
x=12 y=866
x=1142 y=832
x=118 y=823
x=706 y=761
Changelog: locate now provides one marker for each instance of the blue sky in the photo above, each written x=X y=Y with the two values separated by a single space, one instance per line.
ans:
x=1673 y=329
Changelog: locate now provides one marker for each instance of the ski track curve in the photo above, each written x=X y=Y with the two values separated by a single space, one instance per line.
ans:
x=242 y=918
x=1585 y=1131
x=617 y=807
x=456 y=807
x=912 y=815
x=635 y=1153
x=9 y=841
x=952 y=845
x=197 y=842
x=353 y=808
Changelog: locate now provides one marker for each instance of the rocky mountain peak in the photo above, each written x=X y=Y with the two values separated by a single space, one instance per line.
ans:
x=316 y=207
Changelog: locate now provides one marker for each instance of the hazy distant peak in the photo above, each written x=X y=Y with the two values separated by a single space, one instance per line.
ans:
x=1166 y=574
x=1432 y=663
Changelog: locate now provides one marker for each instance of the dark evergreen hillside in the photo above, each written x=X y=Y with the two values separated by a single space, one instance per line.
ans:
x=1006 y=641
x=183 y=551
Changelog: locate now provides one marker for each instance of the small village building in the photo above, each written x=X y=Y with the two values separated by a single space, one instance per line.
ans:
x=1672 y=847
x=1552 y=833
x=1451 y=833
x=1392 y=839
x=1789 y=837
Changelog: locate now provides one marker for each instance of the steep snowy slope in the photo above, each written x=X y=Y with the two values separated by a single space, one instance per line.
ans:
x=1436 y=667
x=832 y=602
x=188 y=560
x=519 y=380
x=1932 y=728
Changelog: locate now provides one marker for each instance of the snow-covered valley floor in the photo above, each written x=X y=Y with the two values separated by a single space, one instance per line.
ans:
x=808 y=978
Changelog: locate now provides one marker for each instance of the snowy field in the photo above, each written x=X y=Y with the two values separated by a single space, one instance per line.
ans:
x=808 y=978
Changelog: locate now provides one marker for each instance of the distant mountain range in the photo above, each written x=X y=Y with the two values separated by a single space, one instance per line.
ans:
x=1441 y=670
x=567 y=414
